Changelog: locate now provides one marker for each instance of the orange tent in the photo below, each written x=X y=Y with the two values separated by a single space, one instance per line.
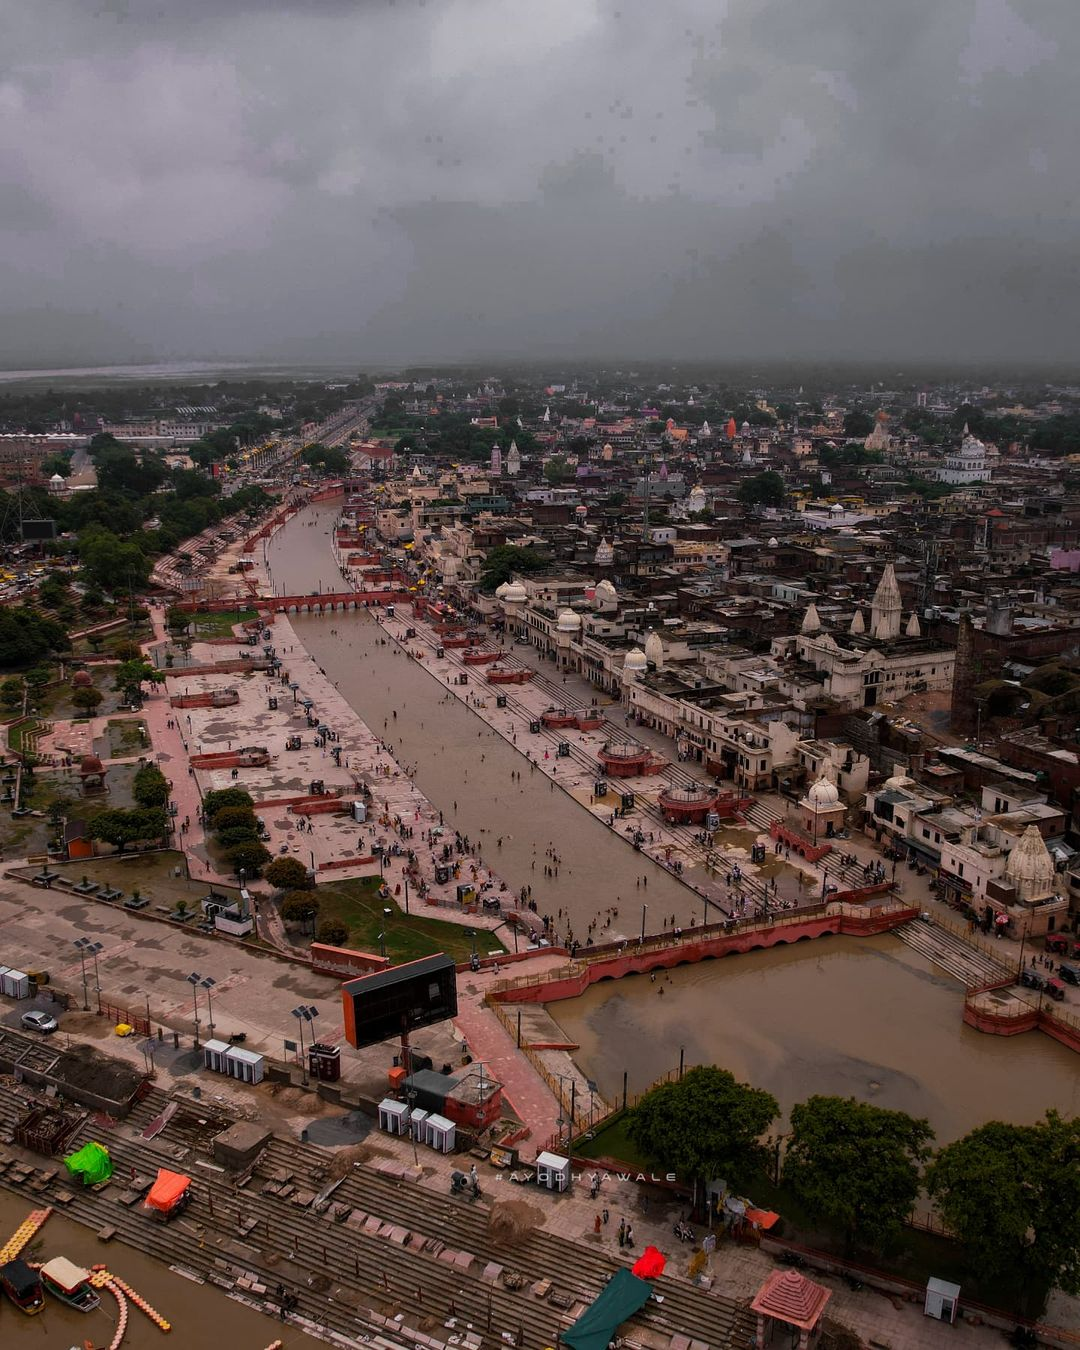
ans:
x=167 y=1190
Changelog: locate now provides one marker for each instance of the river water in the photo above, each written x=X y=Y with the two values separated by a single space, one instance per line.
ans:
x=865 y=1017
x=200 y=1314
x=446 y=741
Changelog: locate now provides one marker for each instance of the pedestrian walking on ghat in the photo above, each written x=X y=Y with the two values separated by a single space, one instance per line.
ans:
x=622 y=1232
x=596 y=1225
x=606 y=1216
x=629 y=1234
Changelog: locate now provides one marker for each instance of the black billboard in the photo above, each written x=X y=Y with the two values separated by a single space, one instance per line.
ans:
x=388 y=1002
x=34 y=530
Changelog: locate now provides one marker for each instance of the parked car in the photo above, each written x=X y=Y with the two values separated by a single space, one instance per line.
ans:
x=1062 y=944
x=39 y=1021
x=1031 y=979
x=1056 y=990
x=1070 y=974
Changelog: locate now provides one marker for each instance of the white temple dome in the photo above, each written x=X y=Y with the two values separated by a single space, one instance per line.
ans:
x=500 y=591
x=823 y=793
x=636 y=662
x=773 y=541
x=605 y=596
x=1030 y=867
x=569 y=622
x=898 y=780
x=513 y=593
x=654 y=650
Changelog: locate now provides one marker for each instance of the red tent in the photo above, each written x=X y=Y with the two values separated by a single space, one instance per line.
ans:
x=730 y=428
x=167 y=1190
x=649 y=1264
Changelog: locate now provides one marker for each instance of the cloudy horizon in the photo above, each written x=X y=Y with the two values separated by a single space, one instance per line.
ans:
x=344 y=181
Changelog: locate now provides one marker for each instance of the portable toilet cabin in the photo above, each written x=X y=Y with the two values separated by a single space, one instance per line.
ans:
x=942 y=1300
x=441 y=1133
x=393 y=1116
x=15 y=984
x=245 y=1065
x=552 y=1171
x=214 y=1053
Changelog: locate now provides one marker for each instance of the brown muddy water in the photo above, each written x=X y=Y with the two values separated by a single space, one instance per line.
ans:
x=446 y=740
x=860 y=1017
x=863 y=1017
x=201 y=1315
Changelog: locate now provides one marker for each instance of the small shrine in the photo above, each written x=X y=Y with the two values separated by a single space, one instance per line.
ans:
x=792 y=1302
x=92 y=774
x=821 y=812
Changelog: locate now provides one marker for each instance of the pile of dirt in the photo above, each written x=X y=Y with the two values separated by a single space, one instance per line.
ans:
x=85 y=1068
x=311 y=1102
x=345 y=1159
x=511 y=1222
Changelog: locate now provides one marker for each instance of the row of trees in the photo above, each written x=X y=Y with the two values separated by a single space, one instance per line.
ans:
x=230 y=815
x=1009 y=1193
x=299 y=902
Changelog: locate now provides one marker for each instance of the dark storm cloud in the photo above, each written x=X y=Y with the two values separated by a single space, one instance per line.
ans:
x=382 y=181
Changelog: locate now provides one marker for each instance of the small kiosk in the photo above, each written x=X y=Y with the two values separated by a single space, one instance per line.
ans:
x=553 y=1171
x=441 y=1133
x=245 y=1065
x=393 y=1116
x=418 y=1125
x=213 y=1055
x=942 y=1300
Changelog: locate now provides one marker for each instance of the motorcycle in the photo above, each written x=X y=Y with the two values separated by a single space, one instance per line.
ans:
x=683 y=1232
x=790 y=1258
x=238 y=1038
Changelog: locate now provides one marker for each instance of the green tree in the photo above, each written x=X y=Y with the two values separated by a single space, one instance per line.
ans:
x=132 y=675
x=11 y=691
x=288 y=874
x=86 y=699
x=232 y=835
x=557 y=469
x=221 y=797
x=120 y=827
x=502 y=562
x=38 y=678
x=150 y=787
x=856 y=1166
x=858 y=424
x=764 y=489
x=299 y=906
x=128 y=651
x=249 y=855
x=1011 y=1194
x=332 y=931
x=112 y=563
x=234 y=817
x=707 y=1125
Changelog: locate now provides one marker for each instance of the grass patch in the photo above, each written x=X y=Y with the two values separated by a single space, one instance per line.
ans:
x=613 y=1141
x=151 y=874
x=356 y=904
x=107 y=643
x=219 y=623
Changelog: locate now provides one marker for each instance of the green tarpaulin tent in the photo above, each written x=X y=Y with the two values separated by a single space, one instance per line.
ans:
x=90 y=1164
x=622 y=1297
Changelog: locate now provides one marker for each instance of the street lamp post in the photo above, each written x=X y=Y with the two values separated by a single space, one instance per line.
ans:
x=87 y=947
x=305 y=1013
x=208 y=984
x=195 y=979
x=82 y=962
x=643 y=909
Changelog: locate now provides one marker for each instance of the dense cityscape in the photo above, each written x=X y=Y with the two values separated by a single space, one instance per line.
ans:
x=539 y=675
x=479 y=710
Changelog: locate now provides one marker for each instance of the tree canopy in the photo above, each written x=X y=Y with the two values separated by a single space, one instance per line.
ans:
x=764 y=489
x=120 y=827
x=502 y=562
x=856 y=1166
x=706 y=1125
x=1011 y=1194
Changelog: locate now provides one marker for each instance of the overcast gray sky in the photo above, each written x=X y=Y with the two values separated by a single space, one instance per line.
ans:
x=396 y=180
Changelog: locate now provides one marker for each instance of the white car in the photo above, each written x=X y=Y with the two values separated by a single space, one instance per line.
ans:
x=39 y=1021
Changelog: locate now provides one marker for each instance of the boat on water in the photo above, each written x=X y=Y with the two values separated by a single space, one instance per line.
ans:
x=23 y=1286
x=70 y=1284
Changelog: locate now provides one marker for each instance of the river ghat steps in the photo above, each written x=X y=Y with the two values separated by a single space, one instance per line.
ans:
x=386 y=1248
x=956 y=957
